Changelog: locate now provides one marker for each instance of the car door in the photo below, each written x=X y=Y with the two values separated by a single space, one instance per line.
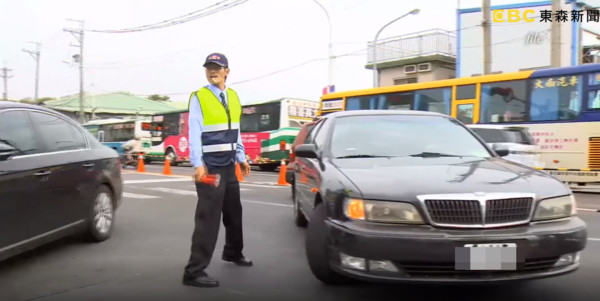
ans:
x=308 y=170
x=21 y=180
x=70 y=170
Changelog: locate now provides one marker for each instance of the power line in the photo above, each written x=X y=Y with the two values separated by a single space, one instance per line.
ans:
x=217 y=7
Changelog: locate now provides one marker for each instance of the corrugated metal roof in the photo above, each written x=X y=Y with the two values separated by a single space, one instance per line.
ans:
x=116 y=103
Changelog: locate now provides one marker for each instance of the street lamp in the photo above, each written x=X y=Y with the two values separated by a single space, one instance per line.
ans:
x=375 y=73
x=330 y=45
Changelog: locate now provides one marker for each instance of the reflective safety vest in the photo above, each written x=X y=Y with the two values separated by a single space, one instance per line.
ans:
x=220 y=127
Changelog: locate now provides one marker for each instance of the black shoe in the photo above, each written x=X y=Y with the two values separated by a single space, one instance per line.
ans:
x=241 y=261
x=201 y=281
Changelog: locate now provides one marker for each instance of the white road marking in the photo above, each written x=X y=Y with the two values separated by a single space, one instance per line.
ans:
x=263 y=184
x=585 y=209
x=158 y=180
x=267 y=203
x=593 y=239
x=138 y=196
x=179 y=191
x=175 y=191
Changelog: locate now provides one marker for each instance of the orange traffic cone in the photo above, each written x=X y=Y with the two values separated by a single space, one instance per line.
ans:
x=282 y=170
x=167 y=168
x=141 y=167
x=238 y=172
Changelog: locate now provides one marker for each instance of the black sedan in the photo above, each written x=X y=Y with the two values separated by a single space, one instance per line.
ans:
x=416 y=196
x=55 y=180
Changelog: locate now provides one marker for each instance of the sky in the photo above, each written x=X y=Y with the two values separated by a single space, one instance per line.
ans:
x=276 y=48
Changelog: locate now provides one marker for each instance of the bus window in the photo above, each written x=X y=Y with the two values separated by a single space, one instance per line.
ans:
x=555 y=98
x=396 y=101
x=504 y=102
x=434 y=100
x=171 y=125
x=260 y=118
x=119 y=131
x=594 y=100
x=465 y=92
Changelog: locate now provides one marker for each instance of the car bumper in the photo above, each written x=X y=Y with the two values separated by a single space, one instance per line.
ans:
x=428 y=254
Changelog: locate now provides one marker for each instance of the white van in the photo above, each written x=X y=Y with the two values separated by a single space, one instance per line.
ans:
x=519 y=142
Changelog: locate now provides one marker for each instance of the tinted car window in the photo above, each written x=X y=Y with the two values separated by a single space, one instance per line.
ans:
x=16 y=129
x=59 y=134
x=504 y=136
x=402 y=135
x=312 y=131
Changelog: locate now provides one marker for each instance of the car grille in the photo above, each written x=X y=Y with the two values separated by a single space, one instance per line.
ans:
x=447 y=269
x=471 y=212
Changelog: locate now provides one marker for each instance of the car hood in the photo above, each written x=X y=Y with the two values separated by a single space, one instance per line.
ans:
x=405 y=178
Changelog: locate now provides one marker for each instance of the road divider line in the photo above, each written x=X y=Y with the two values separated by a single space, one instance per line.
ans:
x=593 y=239
x=267 y=203
x=587 y=209
x=187 y=179
x=138 y=196
x=255 y=184
x=178 y=191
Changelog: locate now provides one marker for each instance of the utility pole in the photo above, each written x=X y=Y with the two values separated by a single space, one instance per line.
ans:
x=487 y=38
x=330 y=43
x=78 y=34
x=5 y=76
x=375 y=71
x=555 y=52
x=35 y=54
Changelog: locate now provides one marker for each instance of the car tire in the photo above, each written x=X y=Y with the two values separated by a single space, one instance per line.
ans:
x=299 y=218
x=172 y=157
x=268 y=167
x=102 y=214
x=316 y=250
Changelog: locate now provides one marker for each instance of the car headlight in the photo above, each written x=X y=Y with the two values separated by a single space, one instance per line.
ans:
x=384 y=212
x=554 y=208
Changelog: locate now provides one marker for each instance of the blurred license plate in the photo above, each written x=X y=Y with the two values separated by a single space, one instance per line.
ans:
x=486 y=257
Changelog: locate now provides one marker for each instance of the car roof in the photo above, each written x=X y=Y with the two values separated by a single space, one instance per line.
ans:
x=383 y=112
x=17 y=105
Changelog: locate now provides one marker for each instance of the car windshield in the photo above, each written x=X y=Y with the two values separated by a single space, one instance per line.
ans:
x=490 y=135
x=403 y=136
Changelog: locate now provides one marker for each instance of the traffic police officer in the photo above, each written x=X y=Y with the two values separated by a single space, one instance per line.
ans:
x=215 y=147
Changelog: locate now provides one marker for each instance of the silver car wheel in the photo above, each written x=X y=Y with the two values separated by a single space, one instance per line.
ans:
x=103 y=213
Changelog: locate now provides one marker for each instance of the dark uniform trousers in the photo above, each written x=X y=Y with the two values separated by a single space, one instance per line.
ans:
x=211 y=202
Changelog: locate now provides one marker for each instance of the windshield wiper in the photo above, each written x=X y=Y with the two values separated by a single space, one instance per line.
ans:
x=362 y=156
x=436 y=155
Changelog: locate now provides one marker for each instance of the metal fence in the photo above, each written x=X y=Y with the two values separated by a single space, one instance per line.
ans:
x=424 y=43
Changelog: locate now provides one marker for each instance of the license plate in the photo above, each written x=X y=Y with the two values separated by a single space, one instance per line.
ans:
x=486 y=257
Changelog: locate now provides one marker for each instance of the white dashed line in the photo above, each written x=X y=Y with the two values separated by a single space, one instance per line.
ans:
x=158 y=180
x=138 y=196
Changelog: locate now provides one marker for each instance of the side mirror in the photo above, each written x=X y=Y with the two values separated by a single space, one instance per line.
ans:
x=7 y=151
x=306 y=151
x=500 y=150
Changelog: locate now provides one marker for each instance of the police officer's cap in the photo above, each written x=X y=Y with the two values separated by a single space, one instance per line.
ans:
x=216 y=58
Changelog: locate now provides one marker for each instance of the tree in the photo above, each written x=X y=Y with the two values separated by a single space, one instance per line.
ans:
x=156 y=97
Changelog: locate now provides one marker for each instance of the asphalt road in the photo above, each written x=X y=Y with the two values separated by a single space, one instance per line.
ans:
x=144 y=258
